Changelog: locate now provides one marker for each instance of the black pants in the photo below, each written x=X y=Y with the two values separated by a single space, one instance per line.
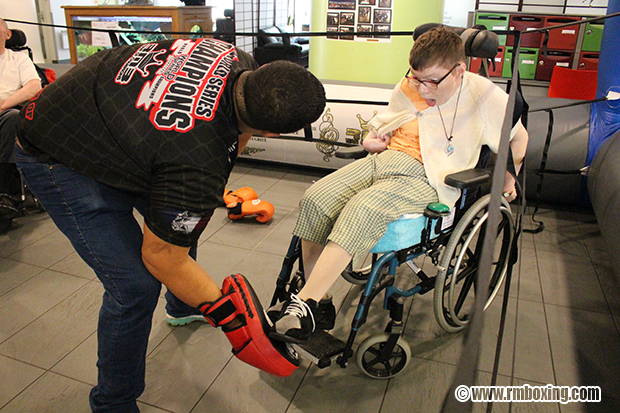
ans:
x=9 y=177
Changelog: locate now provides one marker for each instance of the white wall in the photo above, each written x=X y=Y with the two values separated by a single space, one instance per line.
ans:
x=24 y=10
x=58 y=18
x=455 y=12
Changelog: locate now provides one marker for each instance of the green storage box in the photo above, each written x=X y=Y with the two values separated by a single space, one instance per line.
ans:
x=528 y=61
x=494 y=21
x=592 y=37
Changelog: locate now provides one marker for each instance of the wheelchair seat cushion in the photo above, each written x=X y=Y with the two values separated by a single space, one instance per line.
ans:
x=402 y=233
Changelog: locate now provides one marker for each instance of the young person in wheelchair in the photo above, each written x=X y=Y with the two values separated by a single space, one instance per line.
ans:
x=439 y=116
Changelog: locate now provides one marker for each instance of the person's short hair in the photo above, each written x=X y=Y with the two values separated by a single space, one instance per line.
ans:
x=437 y=47
x=283 y=97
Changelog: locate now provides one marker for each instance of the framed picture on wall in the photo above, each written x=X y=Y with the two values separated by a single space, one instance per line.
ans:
x=367 y=2
x=341 y=4
x=363 y=15
x=334 y=30
x=382 y=28
x=333 y=19
x=382 y=16
x=347 y=18
x=385 y=3
x=361 y=28
x=347 y=29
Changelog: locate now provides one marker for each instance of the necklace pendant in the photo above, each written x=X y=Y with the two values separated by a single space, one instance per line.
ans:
x=449 y=149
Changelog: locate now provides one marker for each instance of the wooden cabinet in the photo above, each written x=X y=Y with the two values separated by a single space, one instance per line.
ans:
x=131 y=18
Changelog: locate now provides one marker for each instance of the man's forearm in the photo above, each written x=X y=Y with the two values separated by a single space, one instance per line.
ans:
x=30 y=89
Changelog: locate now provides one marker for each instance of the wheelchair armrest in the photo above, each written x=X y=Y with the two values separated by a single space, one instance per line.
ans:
x=351 y=152
x=467 y=178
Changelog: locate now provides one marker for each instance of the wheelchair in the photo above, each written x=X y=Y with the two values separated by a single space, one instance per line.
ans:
x=452 y=239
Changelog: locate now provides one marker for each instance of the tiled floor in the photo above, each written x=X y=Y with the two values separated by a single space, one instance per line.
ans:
x=562 y=326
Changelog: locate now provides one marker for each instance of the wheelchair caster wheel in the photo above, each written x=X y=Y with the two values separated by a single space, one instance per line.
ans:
x=373 y=360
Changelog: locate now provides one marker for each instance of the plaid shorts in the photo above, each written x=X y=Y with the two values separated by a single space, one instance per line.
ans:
x=353 y=205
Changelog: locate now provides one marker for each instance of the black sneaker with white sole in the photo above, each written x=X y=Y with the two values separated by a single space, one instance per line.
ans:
x=324 y=315
x=296 y=322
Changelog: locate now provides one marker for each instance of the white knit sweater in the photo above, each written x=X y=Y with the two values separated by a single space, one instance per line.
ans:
x=479 y=120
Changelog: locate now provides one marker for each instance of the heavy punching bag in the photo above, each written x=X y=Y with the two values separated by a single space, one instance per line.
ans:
x=605 y=115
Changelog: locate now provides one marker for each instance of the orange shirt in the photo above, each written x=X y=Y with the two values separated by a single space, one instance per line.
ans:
x=407 y=138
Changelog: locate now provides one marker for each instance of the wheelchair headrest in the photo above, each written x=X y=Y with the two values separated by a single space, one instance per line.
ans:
x=478 y=41
x=17 y=39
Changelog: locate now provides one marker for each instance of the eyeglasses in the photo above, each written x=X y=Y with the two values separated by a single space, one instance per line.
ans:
x=431 y=84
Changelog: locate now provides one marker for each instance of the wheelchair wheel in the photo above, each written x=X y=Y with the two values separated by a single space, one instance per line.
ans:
x=373 y=361
x=454 y=285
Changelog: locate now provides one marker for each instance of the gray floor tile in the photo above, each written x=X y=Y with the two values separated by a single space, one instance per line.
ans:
x=15 y=376
x=532 y=359
x=26 y=230
x=247 y=232
x=259 y=180
x=281 y=199
x=277 y=242
x=80 y=364
x=217 y=222
x=57 y=332
x=25 y=303
x=533 y=407
x=45 y=251
x=15 y=273
x=219 y=260
x=526 y=278
x=610 y=284
x=606 y=405
x=421 y=387
x=584 y=344
x=337 y=390
x=184 y=365
x=73 y=264
x=51 y=393
x=571 y=281
x=243 y=389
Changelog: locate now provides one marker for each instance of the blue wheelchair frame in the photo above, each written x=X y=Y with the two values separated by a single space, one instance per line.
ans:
x=387 y=355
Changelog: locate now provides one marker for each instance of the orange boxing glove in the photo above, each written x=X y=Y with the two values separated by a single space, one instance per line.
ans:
x=240 y=195
x=263 y=209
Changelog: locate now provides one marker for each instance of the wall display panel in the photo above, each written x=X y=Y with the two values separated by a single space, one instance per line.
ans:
x=544 y=3
x=499 y=7
x=543 y=9
x=340 y=122
x=587 y=11
x=360 y=16
x=493 y=2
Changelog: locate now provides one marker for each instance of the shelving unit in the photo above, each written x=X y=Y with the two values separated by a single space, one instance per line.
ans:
x=152 y=18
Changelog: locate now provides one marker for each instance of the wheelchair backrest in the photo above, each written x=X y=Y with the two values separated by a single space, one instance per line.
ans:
x=17 y=43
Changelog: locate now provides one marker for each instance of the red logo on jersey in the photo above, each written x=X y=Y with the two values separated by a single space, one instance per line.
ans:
x=30 y=111
x=189 y=85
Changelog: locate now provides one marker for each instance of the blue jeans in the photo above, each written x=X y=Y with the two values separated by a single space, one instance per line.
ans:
x=99 y=222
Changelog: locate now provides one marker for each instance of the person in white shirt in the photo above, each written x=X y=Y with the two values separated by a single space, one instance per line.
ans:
x=19 y=82
x=438 y=118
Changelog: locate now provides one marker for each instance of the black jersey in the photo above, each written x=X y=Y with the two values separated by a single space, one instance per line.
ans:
x=155 y=119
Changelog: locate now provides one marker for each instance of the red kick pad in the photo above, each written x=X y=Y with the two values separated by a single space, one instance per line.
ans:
x=250 y=342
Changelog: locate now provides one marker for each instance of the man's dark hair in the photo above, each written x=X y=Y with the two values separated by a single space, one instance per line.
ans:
x=437 y=47
x=283 y=97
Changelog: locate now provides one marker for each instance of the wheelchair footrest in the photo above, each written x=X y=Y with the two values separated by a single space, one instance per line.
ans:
x=320 y=348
